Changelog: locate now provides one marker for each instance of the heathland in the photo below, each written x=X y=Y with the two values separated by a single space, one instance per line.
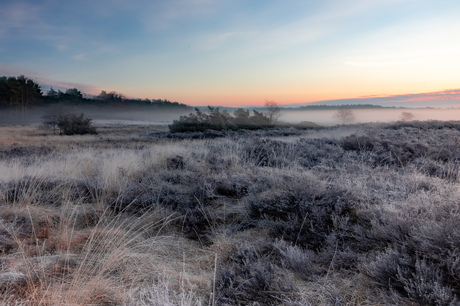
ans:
x=363 y=214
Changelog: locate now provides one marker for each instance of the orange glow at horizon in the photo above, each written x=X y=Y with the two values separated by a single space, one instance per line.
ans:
x=291 y=97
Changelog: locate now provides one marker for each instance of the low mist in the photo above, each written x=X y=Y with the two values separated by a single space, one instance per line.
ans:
x=164 y=116
x=100 y=116
x=328 y=117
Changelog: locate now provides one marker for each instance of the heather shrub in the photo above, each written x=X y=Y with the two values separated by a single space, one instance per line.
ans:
x=358 y=143
x=268 y=153
x=17 y=151
x=247 y=276
x=448 y=170
x=303 y=215
x=314 y=152
x=234 y=186
x=385 y=151
x=298 y=260
x=411 y=276
x=420 y=260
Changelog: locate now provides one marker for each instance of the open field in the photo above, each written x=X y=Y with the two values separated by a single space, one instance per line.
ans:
x=350 y=215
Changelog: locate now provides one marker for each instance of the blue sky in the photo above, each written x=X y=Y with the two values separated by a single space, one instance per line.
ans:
x=236 y=52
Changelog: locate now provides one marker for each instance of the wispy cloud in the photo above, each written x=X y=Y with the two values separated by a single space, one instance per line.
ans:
x=450 y=95
x=11 y=71
x=383 y=62
x=47 y=83
x=79 y=56
x=44 y=24
x=18 y=16
x=269 y=29
x=224 y=39
x=443 y=98
x=163 y=15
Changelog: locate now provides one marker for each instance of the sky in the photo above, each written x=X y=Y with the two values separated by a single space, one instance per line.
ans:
x=238 y=52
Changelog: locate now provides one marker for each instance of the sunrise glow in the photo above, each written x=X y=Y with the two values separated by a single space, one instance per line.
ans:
x=236 y=53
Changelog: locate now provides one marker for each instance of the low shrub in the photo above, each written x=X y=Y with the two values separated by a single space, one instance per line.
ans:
x=411 y=276
x=218 y=120
x=248 y=277
x=70 y=124
x=304 y=215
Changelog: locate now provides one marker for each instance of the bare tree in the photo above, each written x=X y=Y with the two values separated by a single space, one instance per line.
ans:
x=273 y=111
x=406 y=116
x=345 y=115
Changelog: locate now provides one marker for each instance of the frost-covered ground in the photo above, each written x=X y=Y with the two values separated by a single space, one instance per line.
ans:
x=362 y=214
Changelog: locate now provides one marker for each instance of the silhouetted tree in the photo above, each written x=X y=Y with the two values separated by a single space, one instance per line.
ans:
x=19 y=92
x=273 y=111
x=406 y=116
x=52 y=94
x=345 y=115
x=111 y=96
x=73 y=94
x=4 y=91
x=51 y=121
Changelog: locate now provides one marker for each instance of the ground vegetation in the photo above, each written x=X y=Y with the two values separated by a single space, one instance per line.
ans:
x=351 y=215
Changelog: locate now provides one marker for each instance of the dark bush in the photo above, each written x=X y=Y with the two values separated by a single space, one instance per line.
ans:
x=218 y=120
x=267 y=153
x=358 y=143
x=70 y=124
x=304 y=217
x=175 y=163
x=76 y=124
x=196 y=224
x=15 y=151
x=235 y=186
x=248 y=277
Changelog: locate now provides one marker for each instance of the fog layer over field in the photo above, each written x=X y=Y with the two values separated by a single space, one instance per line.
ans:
x=327 y=117
x=98 y=114
x=117 y=115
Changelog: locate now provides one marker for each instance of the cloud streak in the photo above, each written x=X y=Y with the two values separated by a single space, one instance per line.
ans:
x=444 y=98
x=18 y=17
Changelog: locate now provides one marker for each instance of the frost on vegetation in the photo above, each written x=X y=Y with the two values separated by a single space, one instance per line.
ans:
x=269 y=217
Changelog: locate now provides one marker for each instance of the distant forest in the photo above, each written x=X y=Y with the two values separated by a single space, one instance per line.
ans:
x=22 y=93
x=348 y=106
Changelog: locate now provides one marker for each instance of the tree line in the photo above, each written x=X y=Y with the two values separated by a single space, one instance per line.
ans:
x=19 y=92
x=334 y=107
x=22 y=92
